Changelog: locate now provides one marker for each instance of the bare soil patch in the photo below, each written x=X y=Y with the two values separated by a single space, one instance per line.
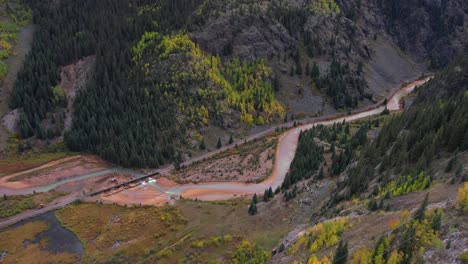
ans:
x=73 y=78
x=141 y=195
x=249 y=163
x=166 y=183
x=54 y=171
x=94 y=183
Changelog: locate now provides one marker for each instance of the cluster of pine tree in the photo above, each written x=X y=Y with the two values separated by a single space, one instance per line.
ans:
x=343 y=84
x=119 y=115
x=292 y=17
x=408 y=143
x=268 y=194
x=66 y=31
x=343 y=143
x=341 y=253
x=306 y=161
x=289 y=195
x=442 y=22
x=253 y=205
x=409 y=237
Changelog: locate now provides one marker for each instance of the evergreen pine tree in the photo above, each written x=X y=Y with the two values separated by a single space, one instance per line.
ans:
x=372 y=206
x=270 y=193
x=307 y=73
x=459 y=170
x=315 y=72
x=276 y=83
x=265 y=196
x=219 y=144
x=299 y=69
x=178 y=160
x=231 y=140
x=464 y=145
x=341 y=254
x=407 y=244
x=437 y=220
x=381 y=204
x=321 y=174
x=252 y=208
x=419 y=214
x=254 y=199
x=202 y=144
x=451 y=164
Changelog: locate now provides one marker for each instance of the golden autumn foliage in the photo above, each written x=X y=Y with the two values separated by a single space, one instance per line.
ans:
x=415 y=234
x=314 y=260
x=320 y=236
x=462 y=197
x=362 y=256
x=393 y=223
x=202 y=86
x=250 y=253
x=406 y=184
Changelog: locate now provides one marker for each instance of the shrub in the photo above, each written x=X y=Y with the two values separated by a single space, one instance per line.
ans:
x=464 y=257
x=320 y=236
x=250 y=253
x=462 y=198
x=3 y=70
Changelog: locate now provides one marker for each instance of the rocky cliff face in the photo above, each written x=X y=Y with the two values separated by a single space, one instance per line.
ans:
x=431 y=29
x=395 y=40
x=246 y=31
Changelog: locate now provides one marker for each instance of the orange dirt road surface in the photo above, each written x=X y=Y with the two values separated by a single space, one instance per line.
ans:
x=153 y=191
x=140 y=195
x=54 y=171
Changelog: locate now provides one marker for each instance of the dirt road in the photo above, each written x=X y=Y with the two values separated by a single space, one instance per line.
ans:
x=59 y=203
x=284 y=155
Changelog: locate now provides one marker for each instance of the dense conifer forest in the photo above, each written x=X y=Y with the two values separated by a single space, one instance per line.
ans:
x=119 y=115
x=152 y=83
x=409 y=142
x=406 y=145
x=306 y=161
x=139 y=99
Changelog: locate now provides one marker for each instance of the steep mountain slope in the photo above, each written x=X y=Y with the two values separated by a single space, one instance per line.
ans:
x=400 y=188
x=15 y=43
x=176 y=70
x=432 y=30
x=437 y=123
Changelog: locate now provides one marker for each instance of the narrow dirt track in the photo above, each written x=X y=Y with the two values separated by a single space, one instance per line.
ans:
x=284 y=155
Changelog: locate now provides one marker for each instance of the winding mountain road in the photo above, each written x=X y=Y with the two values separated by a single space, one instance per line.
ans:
x=285 y=151
x=225 y=190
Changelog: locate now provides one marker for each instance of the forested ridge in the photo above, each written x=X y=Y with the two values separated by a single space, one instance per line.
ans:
x=122 y=116
x=398 y=159
x=159 y=82
x=118 y=116
x=384 y=162
x=151 y=82
x=342 y=82
x=307 y=159
x=409 y=142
